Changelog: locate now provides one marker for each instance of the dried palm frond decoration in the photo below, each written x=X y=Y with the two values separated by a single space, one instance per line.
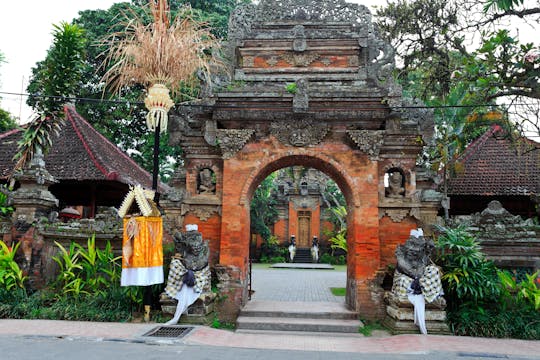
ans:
x=163 y=55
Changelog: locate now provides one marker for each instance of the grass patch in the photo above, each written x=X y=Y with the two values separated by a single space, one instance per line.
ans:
x=338 y=291
x=369 y=326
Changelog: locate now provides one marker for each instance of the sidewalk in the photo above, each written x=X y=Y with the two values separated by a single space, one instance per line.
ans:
x=400 y=344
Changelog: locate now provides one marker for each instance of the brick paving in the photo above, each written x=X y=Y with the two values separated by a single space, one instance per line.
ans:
x=309 y=285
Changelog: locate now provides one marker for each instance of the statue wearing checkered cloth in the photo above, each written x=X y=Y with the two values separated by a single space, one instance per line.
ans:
x=189 y=273
x=416 y=279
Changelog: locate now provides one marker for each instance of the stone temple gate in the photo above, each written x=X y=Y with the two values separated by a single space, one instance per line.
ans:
x=309 y=84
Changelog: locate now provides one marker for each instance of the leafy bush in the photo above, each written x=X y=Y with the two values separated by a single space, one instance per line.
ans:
x=5 y=210
x=87 y=270
x=11 y=276
x=518 y=323
x=327 y=258
x=339 y=241
x=468 y=277
x=272 y=260
x=523 y=291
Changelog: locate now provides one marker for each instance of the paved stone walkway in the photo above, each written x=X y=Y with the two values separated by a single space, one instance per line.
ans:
x=297 y=284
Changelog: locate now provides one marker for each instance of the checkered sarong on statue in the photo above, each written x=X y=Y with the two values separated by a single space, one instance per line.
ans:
x=430 y=281
x=176 y=276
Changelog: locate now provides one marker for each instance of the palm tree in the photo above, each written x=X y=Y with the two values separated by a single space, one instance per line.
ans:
x=56 y=77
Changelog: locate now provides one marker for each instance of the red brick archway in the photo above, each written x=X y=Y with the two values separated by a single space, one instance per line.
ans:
x=353 y=172
x=316 y=93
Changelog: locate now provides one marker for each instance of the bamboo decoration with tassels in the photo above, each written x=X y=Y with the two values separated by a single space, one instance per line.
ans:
x=163 y=56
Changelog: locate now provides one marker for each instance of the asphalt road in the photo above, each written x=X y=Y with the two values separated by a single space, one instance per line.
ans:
x=48 y=348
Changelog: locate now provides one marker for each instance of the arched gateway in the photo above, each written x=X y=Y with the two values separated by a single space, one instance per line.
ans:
x=310 y=85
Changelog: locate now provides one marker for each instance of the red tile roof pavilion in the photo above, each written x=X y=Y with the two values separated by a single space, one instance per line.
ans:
x=81 y=155
x=495 y=166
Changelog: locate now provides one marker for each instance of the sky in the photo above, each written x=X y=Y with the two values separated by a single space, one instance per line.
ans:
x=26 y=29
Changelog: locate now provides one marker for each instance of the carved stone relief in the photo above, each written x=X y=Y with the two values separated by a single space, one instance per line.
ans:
x=397 y=215
x=300 y=60
x=300 y=203
x=369 y=141
x=233 y=140
x=299 y=133
x=203 y=212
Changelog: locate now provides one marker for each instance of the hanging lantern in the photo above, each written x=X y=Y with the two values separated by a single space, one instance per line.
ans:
x=158 y=102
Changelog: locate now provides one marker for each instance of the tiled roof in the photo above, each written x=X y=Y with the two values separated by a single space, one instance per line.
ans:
x=495 y=165
x=80 y=153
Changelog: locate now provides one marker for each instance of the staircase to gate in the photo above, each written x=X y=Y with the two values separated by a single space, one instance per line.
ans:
x=329 y=317
x=303 y=255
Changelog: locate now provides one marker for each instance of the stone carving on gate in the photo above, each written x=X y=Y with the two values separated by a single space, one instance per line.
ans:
x=203 y=212
x=369 y=141
x=303 y=132
x=232 y=141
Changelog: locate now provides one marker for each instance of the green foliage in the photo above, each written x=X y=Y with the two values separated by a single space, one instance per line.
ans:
x=218 y=324
x=468 y=277
x=7 y=121
x=339 y=241
x=87 y=271
x=333 y=260
x=501 y=4
x=272 y=260
x=518 y=323
x=369 y=326
x=11 y=276
x=291 y=88
x=59 y=75
x=520 y=291
x=123 y=122
x=263 y=210
x=5 y=209
x=338 y=291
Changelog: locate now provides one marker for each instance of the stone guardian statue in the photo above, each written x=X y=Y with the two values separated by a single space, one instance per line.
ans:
x=189 y=273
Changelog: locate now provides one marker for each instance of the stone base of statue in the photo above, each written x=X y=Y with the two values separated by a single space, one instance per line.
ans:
x=201 y=312
x=400 y=316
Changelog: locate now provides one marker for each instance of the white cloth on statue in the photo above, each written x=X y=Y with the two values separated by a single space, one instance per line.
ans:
x=292 y=252
x=315 y=252
x=419 y=311
x=186 y=296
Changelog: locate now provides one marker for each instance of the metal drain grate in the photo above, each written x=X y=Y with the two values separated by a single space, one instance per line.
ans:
x=170 y=331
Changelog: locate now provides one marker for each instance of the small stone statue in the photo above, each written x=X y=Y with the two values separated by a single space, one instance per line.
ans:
x=395 y=187
x=206 y=184
x=315 y=249
x=415 y=278
x=292 y=248
x=189 y=273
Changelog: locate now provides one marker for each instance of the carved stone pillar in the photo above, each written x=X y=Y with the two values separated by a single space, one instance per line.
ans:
x=33 y=199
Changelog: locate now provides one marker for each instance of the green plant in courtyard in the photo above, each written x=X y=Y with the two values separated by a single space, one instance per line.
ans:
x=5 y=210
x=523 y=291
x=87 y=270
x=339 y=241
x=11 y=276
x=468 y=276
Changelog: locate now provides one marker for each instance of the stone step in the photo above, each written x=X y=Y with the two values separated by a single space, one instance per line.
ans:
x=298 y=309
x=298 y=324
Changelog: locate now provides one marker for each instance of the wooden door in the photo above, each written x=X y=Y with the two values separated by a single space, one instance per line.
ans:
x=304 y=227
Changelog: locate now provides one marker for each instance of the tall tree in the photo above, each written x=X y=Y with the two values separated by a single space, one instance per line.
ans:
x=54 y=79
x=460 y=56
x=123 y=120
